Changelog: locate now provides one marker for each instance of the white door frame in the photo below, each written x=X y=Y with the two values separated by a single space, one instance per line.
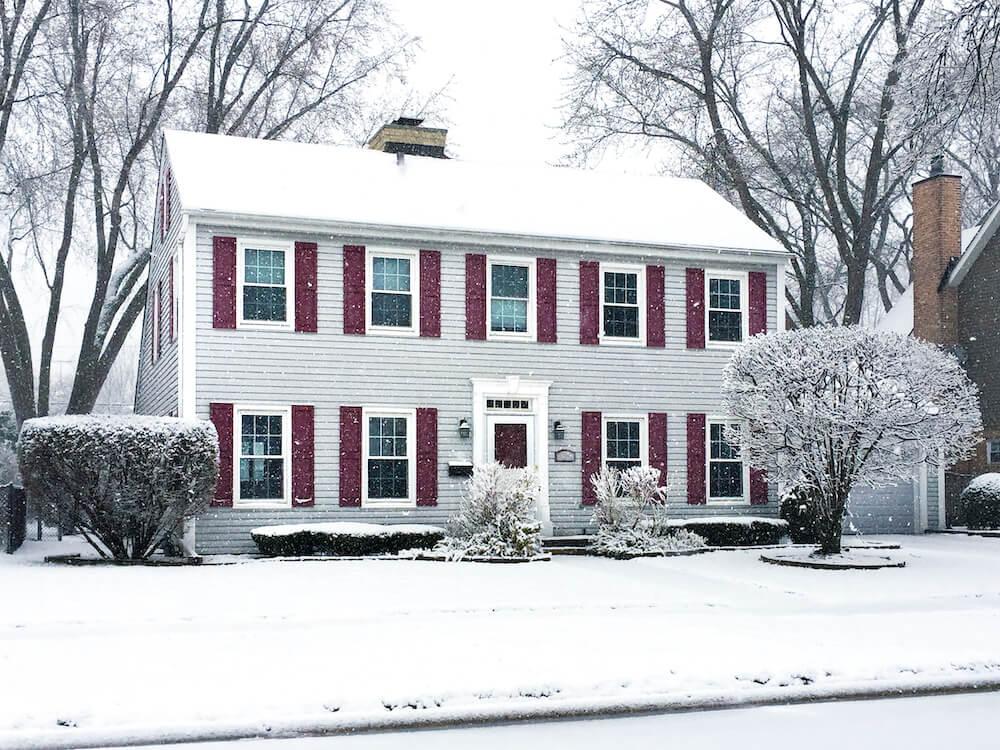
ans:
x=513 y=386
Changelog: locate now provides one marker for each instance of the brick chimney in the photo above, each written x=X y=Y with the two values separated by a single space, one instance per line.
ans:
x=407 y=136
x=937 y=241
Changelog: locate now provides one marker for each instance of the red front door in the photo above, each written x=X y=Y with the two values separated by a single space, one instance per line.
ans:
x=510 y=445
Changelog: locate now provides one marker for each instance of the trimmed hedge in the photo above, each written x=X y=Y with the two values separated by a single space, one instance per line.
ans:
x=981 y=500
x=798 y=508
x=343 y=539
x=721 y=533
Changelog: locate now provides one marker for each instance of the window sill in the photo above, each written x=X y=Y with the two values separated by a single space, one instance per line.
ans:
x=509 y=336
x=263 y=326
x=616 y=341
x=391 y=331
x=728 y=501
x=261 y=505
x=723 y=345
x=388 y=504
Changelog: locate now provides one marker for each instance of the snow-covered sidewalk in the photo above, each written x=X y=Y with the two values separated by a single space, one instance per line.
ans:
x=109 y=648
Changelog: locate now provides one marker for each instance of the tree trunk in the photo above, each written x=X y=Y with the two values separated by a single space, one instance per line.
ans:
x=829 y=526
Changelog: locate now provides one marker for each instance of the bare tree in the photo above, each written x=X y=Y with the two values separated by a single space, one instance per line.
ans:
x=814 y=133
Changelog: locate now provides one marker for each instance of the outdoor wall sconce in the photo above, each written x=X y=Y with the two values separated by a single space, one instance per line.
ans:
x=558 y=431
x=464 y=430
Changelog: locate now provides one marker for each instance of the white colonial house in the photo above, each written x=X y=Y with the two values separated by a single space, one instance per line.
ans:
x=365 y=325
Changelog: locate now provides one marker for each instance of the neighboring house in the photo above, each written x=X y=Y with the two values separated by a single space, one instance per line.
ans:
x=954 y=301
x=362 y=327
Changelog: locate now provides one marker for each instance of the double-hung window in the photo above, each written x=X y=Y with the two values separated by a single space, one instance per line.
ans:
x=993 y=451
x=625 y=441
x=393 y=290
x=726 y=474
x=264 y=271
x=389 y=461
x=511 y=290
x=623 y=300
x=264 y=453
x=727 y=308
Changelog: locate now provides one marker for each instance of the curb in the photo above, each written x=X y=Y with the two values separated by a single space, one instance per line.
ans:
x=329 y=725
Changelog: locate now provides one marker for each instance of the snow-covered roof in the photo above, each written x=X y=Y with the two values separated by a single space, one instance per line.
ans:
x=972 y=246
x=334 y=184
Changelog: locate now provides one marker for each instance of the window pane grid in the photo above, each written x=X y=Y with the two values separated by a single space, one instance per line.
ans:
x=725 y=310
x=392 y=297
x=725 y=468
x=508 y=298
x=993 y=451
x=622 y=445
x=264 y=292
x=388 y=463
x=621 y=305
x=262 y=463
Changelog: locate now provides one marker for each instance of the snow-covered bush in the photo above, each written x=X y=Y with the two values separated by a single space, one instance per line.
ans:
x=981 y=500
x=124 y=482
x=343 y=539
x=738 y=531
x=831 y=408
x=798 y=508
x=631 y=516
x=497 y=517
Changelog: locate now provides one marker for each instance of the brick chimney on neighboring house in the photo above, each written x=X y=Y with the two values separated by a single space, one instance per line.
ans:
x=937 y=243
x=407 y=135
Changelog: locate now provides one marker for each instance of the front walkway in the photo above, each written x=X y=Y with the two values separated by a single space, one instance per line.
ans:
x=110 y=648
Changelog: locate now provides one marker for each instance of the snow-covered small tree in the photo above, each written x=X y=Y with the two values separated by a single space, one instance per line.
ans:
x=830 y=408
x=498 y=515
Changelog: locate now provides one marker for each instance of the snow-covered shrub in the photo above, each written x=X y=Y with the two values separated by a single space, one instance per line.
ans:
x=798 y=508
x=341 y=539
x=631 y=517
x=832 y=408
x=981 y=500
x=725 y=531
x=125 y=483
x=8 y=466
x=497 y=517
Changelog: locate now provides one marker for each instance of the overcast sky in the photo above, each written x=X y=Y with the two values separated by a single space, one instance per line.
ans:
x=505 y=63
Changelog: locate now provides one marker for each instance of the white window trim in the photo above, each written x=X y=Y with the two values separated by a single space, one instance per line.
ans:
x=643 y=421
x=640 y=287
x=989 y=442
x=510 y=260
x=386 y=252
x=261 y=244
x=155 y=322
x=745 y=498
x=411 y=456
x=285 y=412
x=744 y=279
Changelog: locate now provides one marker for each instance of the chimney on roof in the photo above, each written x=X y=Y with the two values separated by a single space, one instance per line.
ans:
x=937 y=242
x=406 y=135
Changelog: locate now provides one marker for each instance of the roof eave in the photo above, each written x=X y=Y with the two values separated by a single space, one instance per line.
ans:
x=986 y=231
x=448 y=236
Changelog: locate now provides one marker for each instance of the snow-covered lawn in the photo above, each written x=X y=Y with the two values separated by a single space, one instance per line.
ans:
x=102 y=647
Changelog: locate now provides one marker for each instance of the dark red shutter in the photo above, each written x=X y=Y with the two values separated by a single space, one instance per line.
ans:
x=222 y=417
x=696 y=458
x=427 y=457
x=545 y=281
x=163 y=227
x=303 y=457
x=430 y=293
x=354 y=289
x=350 y=456
x=758 y=303
x=758 y=487
x=590 y=302
x=170 y=290
x=170 y=197
x=655 y=324
x=695 y=280
x=305 y=287
x=658 y=444
x=475 y=296
x=591 y=450
x=224 y=282
x=159 y=318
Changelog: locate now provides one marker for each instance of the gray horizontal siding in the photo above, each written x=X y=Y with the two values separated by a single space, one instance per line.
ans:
x=156 y=382
x=329 y=369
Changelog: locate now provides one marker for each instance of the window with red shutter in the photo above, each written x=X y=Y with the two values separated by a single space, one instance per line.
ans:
x=303 y=456
x=695 y=294
x=430 y=293
x=222 y=417
x=354 y=289
x=591 y=453
x=306 y=311
x=224 y=282
x=350 y=456
x=427 y=457
x=475 y=297
x=546 y=301
x=696 y=459
x=590 y=303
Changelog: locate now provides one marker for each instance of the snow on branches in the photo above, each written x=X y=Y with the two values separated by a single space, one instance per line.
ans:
x=831 y=408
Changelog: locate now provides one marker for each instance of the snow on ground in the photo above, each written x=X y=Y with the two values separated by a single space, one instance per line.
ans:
x=962 y=721
x=105 y=647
